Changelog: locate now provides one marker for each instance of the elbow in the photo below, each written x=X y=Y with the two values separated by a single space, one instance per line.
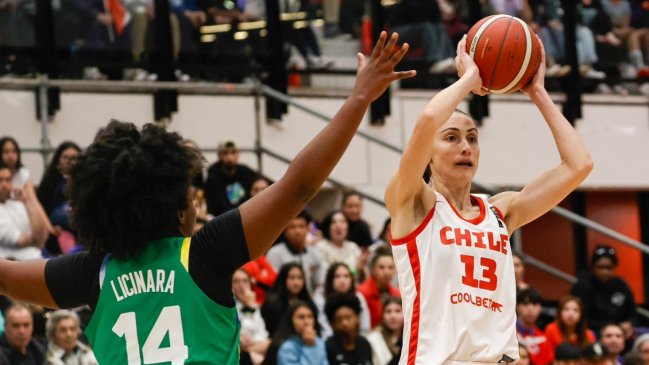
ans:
x=587 y=166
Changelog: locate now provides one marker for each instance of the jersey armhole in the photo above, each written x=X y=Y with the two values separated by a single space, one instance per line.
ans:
x=412 y=235
x=102 y=270
x=184 y=253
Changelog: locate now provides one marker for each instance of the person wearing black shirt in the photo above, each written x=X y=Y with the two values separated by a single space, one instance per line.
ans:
x=228 y=182
x=17 y=346
x=346 y=346
x=359 y=230
x=606 y=297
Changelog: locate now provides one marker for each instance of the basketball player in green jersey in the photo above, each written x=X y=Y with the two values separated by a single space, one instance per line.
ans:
x=159 y=293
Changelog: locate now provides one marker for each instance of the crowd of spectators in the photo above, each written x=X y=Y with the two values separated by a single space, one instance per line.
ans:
x=325 y=293
x=612 y=36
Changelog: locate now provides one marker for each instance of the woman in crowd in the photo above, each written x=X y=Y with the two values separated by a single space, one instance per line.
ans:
x=334 y=247
x=386 y=338
x=64 y=348
x=569 y=326
x=296 y=341
x=339 y=279
x=289 y=287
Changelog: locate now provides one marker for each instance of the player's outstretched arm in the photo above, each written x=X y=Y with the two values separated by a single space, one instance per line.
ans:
x=407 y=183
x=25 y=281
x=266 y=215
x=546 y=191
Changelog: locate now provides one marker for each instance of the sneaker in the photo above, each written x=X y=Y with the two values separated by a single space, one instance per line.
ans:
x=319 y=63
x=93 y=73
x=627 y=71
x=552 y=70
x=621 y=90
x=590 y=73
x=564 y=70
x=644 y=88
x=444 y=66
x=603 y=89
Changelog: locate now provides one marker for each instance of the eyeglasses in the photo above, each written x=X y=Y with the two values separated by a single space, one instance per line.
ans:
x=605 y=251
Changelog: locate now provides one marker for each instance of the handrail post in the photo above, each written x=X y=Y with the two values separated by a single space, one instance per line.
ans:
x=46 y=145
x=258 y=95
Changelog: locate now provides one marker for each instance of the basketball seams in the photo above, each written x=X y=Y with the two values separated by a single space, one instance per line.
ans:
x=526 y=61
x=500 y=51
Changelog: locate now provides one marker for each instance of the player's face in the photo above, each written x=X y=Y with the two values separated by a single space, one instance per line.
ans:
x=66 y=334
x=570 y=313
x=604 y=269
x=5 y=184
x=240 y=283
x=295 y=233
x=342 y=281
x=613 y=339
x=352 y=207
x=393 y=317
x=456 y=151
x=383 y=271
x=339 y=228
x=294 y=281
x=10 y=154
x=346 y=321
x=18 y=327
x=188 y=220
x=302 y=319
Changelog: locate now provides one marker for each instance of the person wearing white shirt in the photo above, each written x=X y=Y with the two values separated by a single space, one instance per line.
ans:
x=335 y=247
x=22 y=230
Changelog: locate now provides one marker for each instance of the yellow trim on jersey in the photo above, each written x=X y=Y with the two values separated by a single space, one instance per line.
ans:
x=184 y=253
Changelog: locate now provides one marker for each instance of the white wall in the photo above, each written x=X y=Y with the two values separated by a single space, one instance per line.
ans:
x=516 y=145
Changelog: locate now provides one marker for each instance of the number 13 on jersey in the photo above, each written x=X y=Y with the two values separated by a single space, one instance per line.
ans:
x=169 y=321
x=488 y=279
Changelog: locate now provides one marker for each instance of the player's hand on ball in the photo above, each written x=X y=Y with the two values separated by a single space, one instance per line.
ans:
x=538 y=81
x=466 y=66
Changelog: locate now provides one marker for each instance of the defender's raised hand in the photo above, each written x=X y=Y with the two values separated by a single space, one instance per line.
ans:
x=375 y=75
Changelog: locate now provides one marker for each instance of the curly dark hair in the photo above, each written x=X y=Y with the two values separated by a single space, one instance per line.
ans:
x=127 y=188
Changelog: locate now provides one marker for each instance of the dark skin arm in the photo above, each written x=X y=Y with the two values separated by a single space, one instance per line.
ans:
x=266 y=215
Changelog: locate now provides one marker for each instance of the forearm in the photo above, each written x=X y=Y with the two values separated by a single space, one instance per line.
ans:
x=37 y=223
x=25 y=281
x=571 y=149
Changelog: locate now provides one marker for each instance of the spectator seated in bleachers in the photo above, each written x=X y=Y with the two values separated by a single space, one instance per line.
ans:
x=294 y=248
x=528 y=310
x=338 y=280
x=346 y=345
x=569 y=326
x=334 y=247
x=64 y=348
x=296 y=340
x=612 y=336
x=254 y=339
x=22 y=229
x=289 y=287
x=17 y=345
x=378 y=286
x=386 y=338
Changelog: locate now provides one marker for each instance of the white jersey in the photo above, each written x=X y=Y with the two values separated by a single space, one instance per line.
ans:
x=457 y=284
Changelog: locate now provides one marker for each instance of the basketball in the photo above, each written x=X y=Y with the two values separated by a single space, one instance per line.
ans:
x=507 y=52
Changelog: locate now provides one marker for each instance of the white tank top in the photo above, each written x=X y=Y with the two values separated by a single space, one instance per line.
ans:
x=457 y=284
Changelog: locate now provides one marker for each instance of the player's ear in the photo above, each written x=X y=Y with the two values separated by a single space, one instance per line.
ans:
x=181 y=217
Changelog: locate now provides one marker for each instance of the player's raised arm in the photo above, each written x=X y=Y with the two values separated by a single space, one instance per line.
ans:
x=551 y=187
x=266 y=215
x=407 y=183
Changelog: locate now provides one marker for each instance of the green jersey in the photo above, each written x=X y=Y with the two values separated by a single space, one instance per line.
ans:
x=150 y=311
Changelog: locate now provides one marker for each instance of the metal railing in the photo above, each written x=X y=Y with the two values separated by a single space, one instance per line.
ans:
x=258 y=90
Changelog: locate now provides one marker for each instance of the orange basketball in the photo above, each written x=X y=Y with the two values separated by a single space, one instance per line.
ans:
x=507 y=52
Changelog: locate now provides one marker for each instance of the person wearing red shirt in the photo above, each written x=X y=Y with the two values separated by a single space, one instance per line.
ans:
x=263 y=275
x=377 y=287
x=570 y=325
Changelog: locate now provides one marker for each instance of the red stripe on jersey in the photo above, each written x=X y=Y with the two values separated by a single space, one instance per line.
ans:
x=413 y=234
x=500 y=214
x=413 y=254
x=474 y=201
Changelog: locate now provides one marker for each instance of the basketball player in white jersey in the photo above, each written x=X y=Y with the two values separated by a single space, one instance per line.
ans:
x=451 y=248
